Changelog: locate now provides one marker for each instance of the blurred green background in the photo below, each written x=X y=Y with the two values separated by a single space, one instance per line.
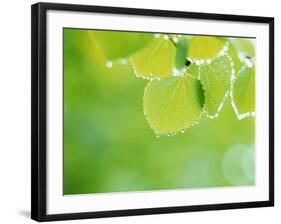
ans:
x=109 y=146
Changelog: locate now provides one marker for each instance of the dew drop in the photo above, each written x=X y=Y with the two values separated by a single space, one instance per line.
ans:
x=123 y=61
x=221 y=53
x=225 y=48
x=175 y=39
x=177 y=72
x=109 y=64
x=241 y=56
x=248 y=62
x=156 y=35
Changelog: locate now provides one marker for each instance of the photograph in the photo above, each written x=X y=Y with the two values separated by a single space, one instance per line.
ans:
x=157 y=111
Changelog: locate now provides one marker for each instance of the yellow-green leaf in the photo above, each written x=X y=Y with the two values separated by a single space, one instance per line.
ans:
x=156 y=60
x=215 y=78
x=193 y=70
x=244 y=46
x=173 y=104
x=244 y=90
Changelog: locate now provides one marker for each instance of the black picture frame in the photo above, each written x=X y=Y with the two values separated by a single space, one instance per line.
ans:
x=39 y=122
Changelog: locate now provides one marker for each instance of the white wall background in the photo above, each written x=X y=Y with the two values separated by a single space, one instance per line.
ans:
x=15 y=111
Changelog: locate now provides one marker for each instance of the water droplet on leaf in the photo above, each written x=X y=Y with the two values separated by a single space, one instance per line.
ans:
x=109 y=64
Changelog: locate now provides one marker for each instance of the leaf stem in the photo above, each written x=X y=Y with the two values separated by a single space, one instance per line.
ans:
x=172 y=40
x=187 y=62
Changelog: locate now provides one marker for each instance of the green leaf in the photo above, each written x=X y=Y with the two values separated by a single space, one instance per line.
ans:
x=244 y=46
x=204 y=47
x=116 y=44
x=193 y=70
x=244 y=91
x=215 y=78
x=173 y=104
x=181 y=53
x=156 y=60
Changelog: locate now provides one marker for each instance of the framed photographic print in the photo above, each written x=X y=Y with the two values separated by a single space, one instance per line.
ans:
x=139 y=111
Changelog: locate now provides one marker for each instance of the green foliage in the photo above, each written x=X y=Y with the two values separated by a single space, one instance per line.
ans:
x=244 y=90
x=173 y=104
x=211 y=60
x=120 y=44
x=108 y=144
x=156 y=60
x=182 y=62
x=244 y=46
x=215 y=78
